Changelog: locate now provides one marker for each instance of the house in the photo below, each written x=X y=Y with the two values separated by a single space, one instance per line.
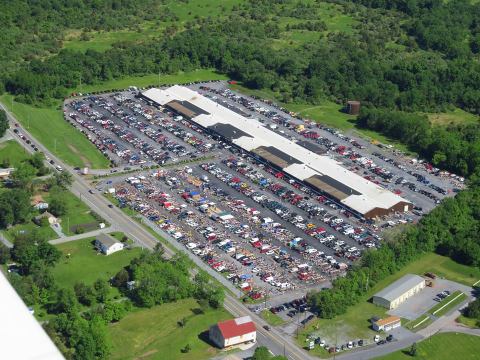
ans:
x=108 y=244
x=51 y=219
x=399 y=291
x=386 y=324
x=233 y=332
x=38 y=203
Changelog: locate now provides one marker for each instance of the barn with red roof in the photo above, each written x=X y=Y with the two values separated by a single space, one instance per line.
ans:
x=233 y=332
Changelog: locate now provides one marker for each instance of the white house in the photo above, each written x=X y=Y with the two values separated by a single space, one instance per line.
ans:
x=107 y=244
x=386 y=324
x=233 y=332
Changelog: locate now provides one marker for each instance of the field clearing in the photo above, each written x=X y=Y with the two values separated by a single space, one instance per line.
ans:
x=87 y=265
x=155 y=334
x=153 y=79
x=12 y=152
x=454 y=117
x=48 y=127
x=354 y=324
x=148 y=30
x=444 y=346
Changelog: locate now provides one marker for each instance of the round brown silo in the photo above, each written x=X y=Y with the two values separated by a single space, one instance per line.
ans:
x=353 y=107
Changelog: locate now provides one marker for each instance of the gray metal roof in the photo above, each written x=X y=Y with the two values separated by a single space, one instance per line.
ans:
x=400 y=287
x=106 y=240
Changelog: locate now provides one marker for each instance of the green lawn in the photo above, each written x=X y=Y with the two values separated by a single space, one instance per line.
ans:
x=86 y=264
x=77 y=214
x=155 y=334
x=456 y=116
x=444 y=346
x=354 y=324
x=469 y=322
x=449 y=303
x=48 y=126
x=44 y=231
x=12 y=152
x=153 y=79
x=272 y=319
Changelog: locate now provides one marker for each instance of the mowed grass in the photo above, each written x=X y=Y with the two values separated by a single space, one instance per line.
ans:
x=469 y=322
x=354 y=324
x=48 y=126
x=155 y=334
x=46 y=232
x=81 y=262
x=271 y=318
x=444 y=346
x=77 y=213
x=13 y=153
x=153 y=79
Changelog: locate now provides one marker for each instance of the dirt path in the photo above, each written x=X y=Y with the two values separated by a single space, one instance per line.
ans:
x=83 y=158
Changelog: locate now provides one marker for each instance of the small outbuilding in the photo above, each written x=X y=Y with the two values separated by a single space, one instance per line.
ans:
x=233 y=332
x=387 y=324
x=108 y=244
x=399 y=291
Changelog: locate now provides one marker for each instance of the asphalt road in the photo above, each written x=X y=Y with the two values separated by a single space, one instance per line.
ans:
x=277 y=342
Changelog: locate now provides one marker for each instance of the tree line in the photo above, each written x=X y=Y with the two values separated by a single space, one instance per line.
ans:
x=452 y=147
x=450 y=229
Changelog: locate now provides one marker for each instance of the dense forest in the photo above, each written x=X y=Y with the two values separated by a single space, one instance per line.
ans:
x=453 y=147
x=423 y=71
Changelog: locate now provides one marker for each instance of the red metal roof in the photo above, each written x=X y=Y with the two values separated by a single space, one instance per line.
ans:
x=232 y=328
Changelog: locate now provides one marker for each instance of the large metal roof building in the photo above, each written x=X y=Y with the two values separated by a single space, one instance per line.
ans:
x=321 y=173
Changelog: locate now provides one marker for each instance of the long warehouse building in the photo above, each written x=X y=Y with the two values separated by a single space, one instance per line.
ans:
x=321 y=173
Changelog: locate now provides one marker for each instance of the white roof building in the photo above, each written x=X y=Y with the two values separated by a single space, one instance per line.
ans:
x=320 y=172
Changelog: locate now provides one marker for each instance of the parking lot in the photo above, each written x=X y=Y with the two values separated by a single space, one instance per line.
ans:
x=265 y=232
x=417 y=305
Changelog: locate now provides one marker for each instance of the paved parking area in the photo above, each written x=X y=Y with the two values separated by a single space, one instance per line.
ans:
x=265 y=233
x=417 y=305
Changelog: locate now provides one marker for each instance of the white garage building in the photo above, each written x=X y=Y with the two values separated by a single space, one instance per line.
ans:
x=399 y=291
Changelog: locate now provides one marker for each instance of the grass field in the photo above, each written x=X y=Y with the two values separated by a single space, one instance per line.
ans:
x=77 y=213
x=154 y=79
x=444 y=346
x=469 y=322
x=13 y=153
x=44 y=231
x=48 y=126
x=354 y=324
x=271 y=318
x=457 y=116
x=86 y=264
x=155 y=334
